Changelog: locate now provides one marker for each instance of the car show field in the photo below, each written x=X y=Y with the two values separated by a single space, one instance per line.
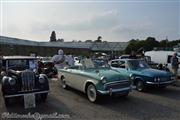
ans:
x=89 y=60
x=155 y=104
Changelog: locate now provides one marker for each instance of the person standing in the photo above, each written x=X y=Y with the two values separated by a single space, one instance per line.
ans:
x=133 y=55
x=71 y=60
x=175 y=65
x=59 y=60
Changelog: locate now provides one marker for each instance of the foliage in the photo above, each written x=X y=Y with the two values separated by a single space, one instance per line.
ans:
x=53 y=37
x=98 y=39
x=60 y=40
x=88 y=41
x=149 y=44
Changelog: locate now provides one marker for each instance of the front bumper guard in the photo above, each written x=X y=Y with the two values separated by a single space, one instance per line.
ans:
x=17 y=95
x=111 y=91
x=160 y=83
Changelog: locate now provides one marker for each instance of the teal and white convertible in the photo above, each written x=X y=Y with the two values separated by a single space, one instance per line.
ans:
x=95 y=78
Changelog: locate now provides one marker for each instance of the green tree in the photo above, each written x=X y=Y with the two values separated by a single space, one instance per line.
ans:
x=150 y=43
x=132 y=46
x=99 y=39
x=135 y=45
x=53 y=37
x=163 y=43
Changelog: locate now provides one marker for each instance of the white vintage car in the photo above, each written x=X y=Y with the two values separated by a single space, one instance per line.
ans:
x=95 y=77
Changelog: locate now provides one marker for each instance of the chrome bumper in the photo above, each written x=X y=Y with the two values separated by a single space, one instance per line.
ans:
x=160 y=83
x=115 y=90
x=17 y=95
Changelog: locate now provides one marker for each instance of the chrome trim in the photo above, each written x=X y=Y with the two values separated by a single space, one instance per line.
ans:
x=114 y=90
x=120 y=81
x=29 y=90
x=28 y=80
x=133 y=87
x=115 y=83
x=8 y=96
x=157 y=83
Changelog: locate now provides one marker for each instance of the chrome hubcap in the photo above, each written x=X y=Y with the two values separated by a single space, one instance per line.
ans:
x=63 y=83
x=91 y=93
x=139 y=85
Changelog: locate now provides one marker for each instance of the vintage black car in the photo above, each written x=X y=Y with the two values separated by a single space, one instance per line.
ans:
x=49 y=69
x=19 y=78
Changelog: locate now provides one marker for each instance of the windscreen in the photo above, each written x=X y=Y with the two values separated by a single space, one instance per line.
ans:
x=138 y=64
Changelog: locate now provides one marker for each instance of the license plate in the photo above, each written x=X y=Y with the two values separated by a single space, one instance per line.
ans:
x=29 y=101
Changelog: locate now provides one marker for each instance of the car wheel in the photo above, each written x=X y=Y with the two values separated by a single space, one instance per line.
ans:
x=44 y=96
x=63 y=83
x=92 y=93
x=140 y=85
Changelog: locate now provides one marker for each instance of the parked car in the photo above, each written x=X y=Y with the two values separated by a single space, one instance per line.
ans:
x=20 y=78
x=151 y=63
x=95 y=78
x=49 y=69
x=163 y=58
x=144 y=76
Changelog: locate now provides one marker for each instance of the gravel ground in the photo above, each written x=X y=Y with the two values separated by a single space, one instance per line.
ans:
x=155 y=104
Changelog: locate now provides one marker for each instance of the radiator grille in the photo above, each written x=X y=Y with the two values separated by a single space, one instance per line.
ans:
x=117 y=85
x=28 y=80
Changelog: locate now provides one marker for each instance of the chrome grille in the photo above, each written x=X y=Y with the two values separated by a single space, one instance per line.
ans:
x=28 y=80
x=163 y=79
x=117 y=85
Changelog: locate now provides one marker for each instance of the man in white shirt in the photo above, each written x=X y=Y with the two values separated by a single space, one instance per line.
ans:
x=59 y=60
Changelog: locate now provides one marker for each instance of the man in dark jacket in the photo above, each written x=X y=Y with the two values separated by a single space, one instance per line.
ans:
x=175 y=65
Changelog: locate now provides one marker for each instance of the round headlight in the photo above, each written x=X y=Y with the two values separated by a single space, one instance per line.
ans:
x=155 y=79
x=12 y=81
x=131 y=76
x=103 y=80
x=41 y=80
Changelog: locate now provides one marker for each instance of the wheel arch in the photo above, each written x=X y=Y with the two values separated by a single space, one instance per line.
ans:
x=137 y=79
x=62 y=77
x=88 y=82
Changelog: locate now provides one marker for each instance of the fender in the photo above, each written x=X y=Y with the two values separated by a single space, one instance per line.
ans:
x=5 y=81
x=46 y=80
x=137 y=78
x=89 y=81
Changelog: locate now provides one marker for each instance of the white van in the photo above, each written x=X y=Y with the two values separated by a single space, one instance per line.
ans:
x=162 y=57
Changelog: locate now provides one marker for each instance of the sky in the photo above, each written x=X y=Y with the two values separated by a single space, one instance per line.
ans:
x=117 y=20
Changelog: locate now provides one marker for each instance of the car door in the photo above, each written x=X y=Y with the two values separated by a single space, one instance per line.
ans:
x=77 y=79
x=67 y=73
